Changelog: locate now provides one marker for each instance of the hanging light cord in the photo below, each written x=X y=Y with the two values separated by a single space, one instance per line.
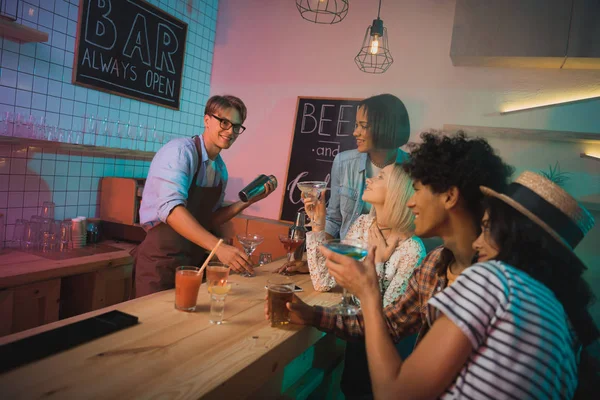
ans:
x=379 y=11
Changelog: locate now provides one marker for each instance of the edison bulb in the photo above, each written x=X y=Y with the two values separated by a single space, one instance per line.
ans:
x=374 y=45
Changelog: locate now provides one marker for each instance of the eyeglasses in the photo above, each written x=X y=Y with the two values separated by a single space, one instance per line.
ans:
x=226 y=124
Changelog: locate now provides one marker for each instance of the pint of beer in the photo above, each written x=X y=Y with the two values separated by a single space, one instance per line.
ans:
x=281 y=291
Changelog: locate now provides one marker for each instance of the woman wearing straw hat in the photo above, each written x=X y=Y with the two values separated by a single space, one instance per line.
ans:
x=511 y=326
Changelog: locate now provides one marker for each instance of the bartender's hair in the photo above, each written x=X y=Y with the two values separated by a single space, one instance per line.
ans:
x=388 y=120
x=218 y=103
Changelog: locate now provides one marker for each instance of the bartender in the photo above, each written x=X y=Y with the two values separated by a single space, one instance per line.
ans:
x=183 y=201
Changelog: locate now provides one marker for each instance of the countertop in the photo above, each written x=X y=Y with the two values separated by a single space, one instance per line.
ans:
x=174 y=354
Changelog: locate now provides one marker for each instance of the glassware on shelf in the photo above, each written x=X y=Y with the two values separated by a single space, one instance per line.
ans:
x=40 y=128
x=8 y=123
x=312 y=189
x=249 y=242
x=91 y=125
x=18 y=233
x=48 y=210
x=142 y=137
x=65 y=235
x=356 y=249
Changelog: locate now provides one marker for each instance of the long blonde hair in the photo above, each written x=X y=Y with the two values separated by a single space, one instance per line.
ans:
x=399 y=190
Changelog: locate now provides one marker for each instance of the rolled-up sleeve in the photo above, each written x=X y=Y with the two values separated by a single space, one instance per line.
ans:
x=168 y=182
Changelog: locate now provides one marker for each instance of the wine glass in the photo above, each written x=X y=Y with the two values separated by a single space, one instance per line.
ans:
x=312 y=189
x=290 y=244
x=249 y=242
x=356 y=249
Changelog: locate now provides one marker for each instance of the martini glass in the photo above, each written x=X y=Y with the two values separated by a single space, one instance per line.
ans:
x=312 y=189
x=249 y=242
x=356 y=249
x=290 y=244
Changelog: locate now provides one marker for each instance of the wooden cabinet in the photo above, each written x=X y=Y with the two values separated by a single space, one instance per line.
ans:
x=584 y=37
x=27 y=306
x=95 y=290
x=511 y=33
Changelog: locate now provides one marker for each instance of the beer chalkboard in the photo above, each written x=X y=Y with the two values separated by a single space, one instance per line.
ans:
x=323 y=128
x=130 y=48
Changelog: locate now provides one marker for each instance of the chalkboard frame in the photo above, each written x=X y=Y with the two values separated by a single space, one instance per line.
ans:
x=74 y=80
x=294 y=123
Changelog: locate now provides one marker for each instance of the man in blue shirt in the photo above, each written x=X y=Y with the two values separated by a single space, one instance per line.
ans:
x=183 y=200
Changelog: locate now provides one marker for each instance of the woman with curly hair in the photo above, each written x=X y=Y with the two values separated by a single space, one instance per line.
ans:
x=511 y=326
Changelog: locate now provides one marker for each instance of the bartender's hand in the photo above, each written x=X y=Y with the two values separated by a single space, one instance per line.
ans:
x=300 y=312
x=236 y=259
x=269 y=188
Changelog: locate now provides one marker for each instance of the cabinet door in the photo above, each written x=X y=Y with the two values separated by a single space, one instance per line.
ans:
x=584 y=43
x=25 y=307
x=514 y=33
x=112 y=286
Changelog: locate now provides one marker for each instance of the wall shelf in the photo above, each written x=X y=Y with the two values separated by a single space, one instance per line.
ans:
x=20 y=33
x=591 y=202
x=84 y=148
x=524 y=134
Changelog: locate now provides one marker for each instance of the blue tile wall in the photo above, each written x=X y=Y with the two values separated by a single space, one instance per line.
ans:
x=35 y=79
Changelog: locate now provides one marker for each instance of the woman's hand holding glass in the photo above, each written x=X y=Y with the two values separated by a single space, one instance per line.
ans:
x=358 y=278
x=315 y=210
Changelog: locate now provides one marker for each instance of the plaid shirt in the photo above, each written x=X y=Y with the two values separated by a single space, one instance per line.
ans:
x=408 y=314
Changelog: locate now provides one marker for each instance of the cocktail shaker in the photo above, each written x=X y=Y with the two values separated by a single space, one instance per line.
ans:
x=256 y=187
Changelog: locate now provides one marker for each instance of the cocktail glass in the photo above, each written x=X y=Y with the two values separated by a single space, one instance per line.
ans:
x=217 y=274
x=249 y=242
x=312 y=189
x=356 y=249
x=290 y=244
x=217 y=302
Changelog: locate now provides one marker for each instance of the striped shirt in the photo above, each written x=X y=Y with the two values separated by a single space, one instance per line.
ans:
x=523 y=344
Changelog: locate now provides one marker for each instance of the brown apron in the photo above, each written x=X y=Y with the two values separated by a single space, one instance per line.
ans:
x=163 y=249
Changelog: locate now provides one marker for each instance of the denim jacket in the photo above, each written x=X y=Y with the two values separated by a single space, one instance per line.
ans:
x=347 y=186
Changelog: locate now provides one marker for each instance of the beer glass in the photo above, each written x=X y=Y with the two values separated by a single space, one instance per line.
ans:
x=280 y=291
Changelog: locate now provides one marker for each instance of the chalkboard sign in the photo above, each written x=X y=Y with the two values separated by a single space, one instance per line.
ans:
x=130 y=48
x=322 y=129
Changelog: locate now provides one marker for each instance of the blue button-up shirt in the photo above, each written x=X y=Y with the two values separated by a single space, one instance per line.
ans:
x=348 y=175
x=170 y=178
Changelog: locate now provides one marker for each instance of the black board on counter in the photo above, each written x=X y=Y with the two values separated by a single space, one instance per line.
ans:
x=323 y=128
x=130 y=48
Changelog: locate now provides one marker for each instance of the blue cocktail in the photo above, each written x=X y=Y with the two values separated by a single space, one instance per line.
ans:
x=356 y=249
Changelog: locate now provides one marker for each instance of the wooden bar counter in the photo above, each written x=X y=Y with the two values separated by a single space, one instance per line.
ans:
x=172 y=354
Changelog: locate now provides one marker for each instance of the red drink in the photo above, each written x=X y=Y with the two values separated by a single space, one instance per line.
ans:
x=290 y=244
x=187 y=284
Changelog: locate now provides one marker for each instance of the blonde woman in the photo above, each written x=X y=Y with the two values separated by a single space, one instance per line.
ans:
x=389 y=226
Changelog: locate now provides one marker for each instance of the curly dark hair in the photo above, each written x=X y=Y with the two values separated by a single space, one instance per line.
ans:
x=525 y=245
x=388 y=119
x=442 y=162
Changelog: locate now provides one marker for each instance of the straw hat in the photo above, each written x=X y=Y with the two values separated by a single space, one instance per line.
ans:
x=549 y=206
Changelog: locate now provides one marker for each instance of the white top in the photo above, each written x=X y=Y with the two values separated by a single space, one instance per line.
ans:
x=523 y=344
x=393 y=274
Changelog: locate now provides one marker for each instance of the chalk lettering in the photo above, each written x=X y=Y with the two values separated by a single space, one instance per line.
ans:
x=341 y=121
x=306 y=114
x=323 y=119
x=100 y=30
x=138 y=40
x=166 y=46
